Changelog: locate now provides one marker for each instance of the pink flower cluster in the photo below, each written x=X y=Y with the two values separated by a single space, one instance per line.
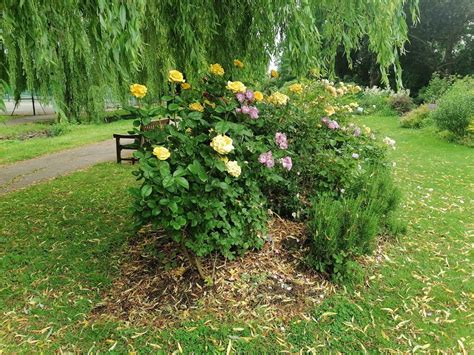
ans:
x=331 y=124
x=355 y=130
x=245 y=99
x=280 y=140
x=267 y=158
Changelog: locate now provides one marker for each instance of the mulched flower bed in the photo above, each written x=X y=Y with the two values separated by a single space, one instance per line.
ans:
x=158 y=284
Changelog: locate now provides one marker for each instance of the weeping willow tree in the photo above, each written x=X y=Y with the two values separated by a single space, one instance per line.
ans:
x=74 y=52
x=78 y=52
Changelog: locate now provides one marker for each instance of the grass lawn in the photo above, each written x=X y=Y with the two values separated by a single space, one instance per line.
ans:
x=15 y=149
x=62 y=242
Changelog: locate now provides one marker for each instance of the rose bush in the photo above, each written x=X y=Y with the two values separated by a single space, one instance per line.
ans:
x=200 y=175
x=231 y=153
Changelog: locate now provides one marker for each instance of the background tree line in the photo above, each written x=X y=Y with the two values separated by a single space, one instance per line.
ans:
x=442 y=41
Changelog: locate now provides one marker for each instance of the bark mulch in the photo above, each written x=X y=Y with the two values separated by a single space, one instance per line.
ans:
x=159 y=286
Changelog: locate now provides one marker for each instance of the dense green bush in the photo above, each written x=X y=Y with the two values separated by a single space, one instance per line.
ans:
x=341 y=229
x=201 y=174
x=437 y=86
x=401 y=102
x=416 y=118
x=455 y=108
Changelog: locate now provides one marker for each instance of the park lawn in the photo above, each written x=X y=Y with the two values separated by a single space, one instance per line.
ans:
x=12 y=150
x=62 y=242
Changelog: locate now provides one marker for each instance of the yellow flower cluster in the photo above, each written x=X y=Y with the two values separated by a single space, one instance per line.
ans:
x=222 y=144
x=238 y=64
x=296 y=88
x=278 y=99
x=236 y=86
x=161 y=153
x=139 y=91
x=196 y=106
x=274 y=73
x=332 y=90
x=258 y=96
x=185 y=86
x=330 y=110
x=233 y=168
x=216 y=69
x=175 y=76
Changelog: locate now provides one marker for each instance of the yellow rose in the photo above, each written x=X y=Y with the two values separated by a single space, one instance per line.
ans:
x=222 y=144
x=238 y=63
x=233 y=168
x=340 y=91
x=139 y=91
x=367 y=130
x=185 y=86
x=216 y=69
x=331 y=90
x=161 y=153
x=296 y=88
x=258 y=96
x=196 y=106
x=236 y=86
x=278 y=99
x=330 y=110
x=274 y=73
x=175 y=77
x=189 y=130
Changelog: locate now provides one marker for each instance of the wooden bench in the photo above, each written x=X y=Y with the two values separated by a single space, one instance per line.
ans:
x=138 y=140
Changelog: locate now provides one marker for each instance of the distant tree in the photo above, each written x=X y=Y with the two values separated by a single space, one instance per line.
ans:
x=78 y=52
x=442 y=41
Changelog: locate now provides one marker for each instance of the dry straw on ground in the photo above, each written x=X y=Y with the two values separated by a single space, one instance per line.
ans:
x=158 y=285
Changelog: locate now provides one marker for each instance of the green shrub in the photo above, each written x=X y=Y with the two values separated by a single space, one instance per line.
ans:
x=456 y=108
x=58 y=129
x=401 y=102
x=342 y=229
x=437 y=86
x=416 y=118
x=375 y=100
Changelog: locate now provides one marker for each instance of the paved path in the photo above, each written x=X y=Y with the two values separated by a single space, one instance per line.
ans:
x=31 y=119
x=22 y=174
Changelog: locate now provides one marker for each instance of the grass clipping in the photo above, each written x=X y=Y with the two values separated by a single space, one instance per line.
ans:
x=159 y=285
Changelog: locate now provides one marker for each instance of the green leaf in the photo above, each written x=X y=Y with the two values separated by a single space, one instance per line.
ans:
x=183 y=182
x=222 y=127
x=173 y=107
x=168 y=181
x=123 y=16
x=146 y=190
x=167 y=98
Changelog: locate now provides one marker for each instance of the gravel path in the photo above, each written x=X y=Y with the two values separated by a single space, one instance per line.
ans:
x=22 y=174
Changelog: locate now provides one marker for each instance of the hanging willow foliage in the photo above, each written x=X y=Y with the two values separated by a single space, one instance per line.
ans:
x=79 y=52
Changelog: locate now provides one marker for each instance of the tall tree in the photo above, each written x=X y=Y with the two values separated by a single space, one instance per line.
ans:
x=441 y=41
x=80 y=51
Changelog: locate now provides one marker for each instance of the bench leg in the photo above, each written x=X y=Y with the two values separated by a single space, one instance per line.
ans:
x=118 y=150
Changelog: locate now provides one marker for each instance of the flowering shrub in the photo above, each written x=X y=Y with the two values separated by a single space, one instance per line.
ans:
x=229 y=153
x=200 y=175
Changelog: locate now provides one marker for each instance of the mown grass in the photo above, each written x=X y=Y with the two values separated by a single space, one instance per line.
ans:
x=14 y=149
x=62 y=242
